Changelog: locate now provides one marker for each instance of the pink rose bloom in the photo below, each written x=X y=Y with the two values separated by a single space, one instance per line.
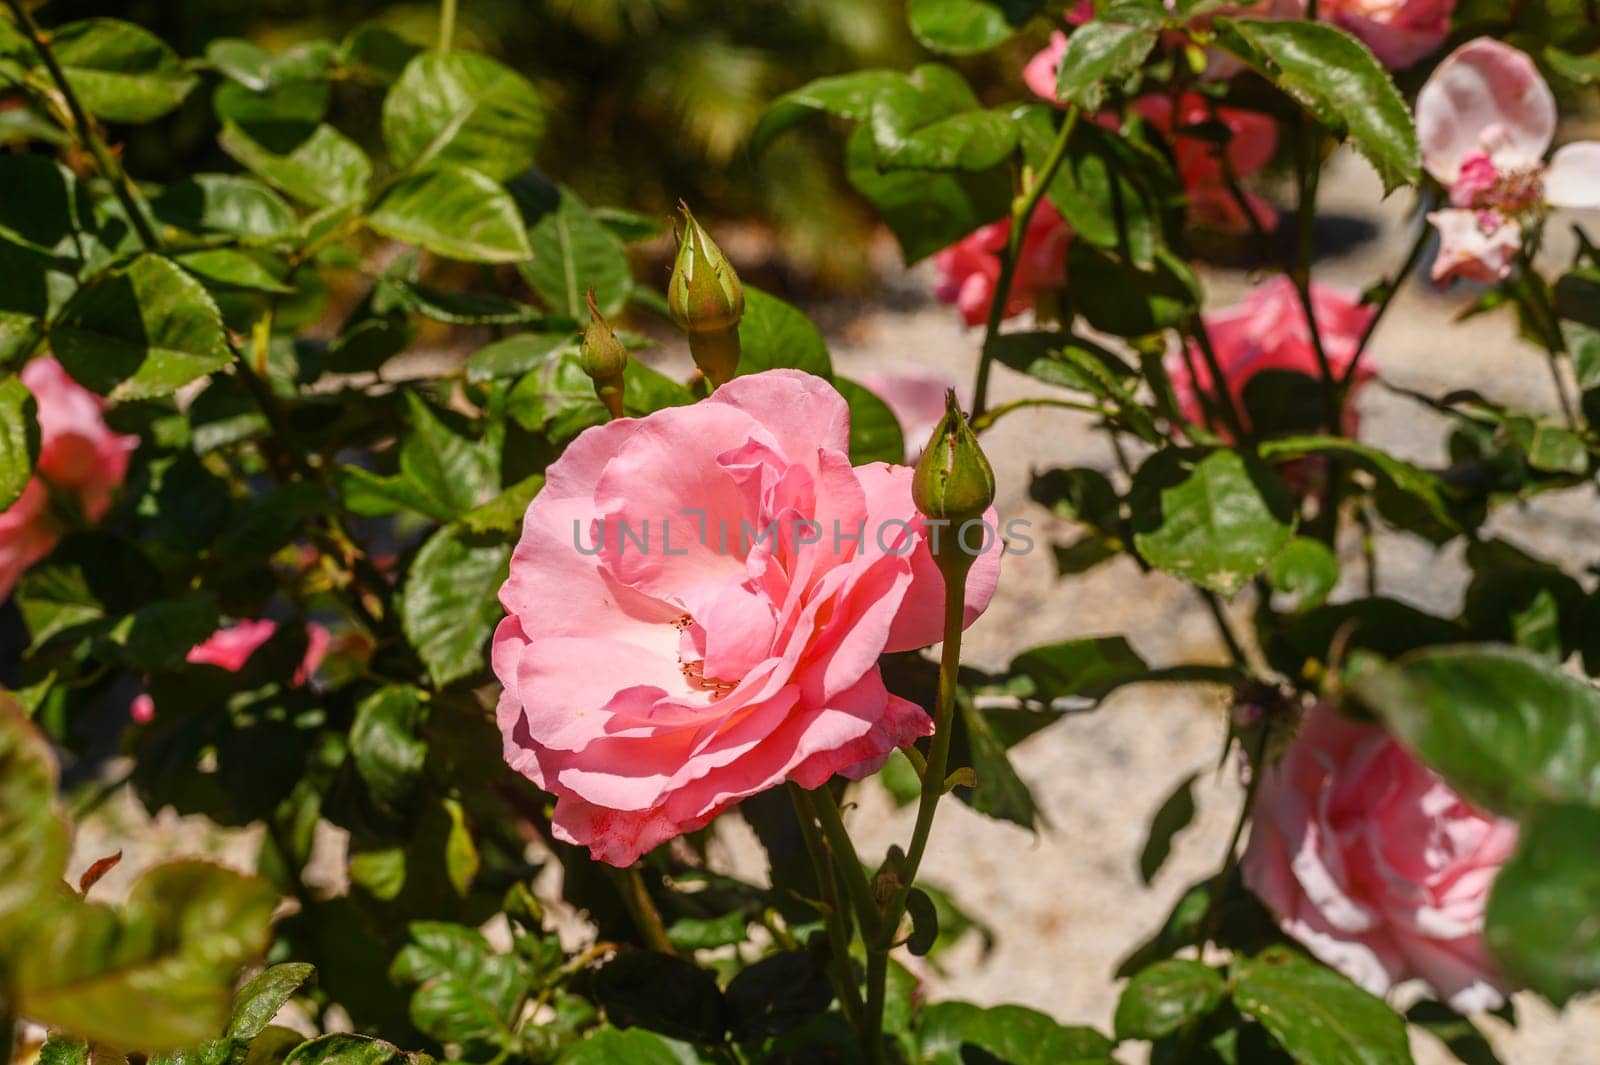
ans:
x=231 y=647
x=916 y=396
x=1485 y=120
x=1267 y=331
x=654 y=675
x=78 y=457
x=1369 y=859
x=1399 y=32
x=970 y=268
x=1253 y=138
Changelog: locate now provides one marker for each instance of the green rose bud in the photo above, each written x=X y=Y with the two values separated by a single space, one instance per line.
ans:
x=707 y=301
x=604 y=359
x=953 y=483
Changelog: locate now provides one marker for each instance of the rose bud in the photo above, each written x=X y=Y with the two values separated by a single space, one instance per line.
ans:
x=707 y=301
x=604 y=359
x=954 y=485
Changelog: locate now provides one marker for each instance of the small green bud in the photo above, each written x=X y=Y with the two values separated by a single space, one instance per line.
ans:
x=706 y=301
x=604 y=359
x=953 y=481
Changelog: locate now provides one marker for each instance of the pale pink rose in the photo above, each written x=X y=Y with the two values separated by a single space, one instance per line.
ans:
x=970 y=268
x=1267 y=331
x=1369 y=859
x=1399 y=32
x=648 y=688
x=1253 y=138
x=1474 y=245
x=1485 y=120
x=916 y=396
x=230 y=648
x=1040 y=73
x=79 y=457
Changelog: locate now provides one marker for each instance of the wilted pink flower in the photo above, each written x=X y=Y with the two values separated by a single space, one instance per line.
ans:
x=230 y=648
x=1485 y=120
x=916 y=396
x=696 y=609
x=1267 y=331
x=1399 y=32
x=79 y=458
x=970 y=268
x=1369 y=859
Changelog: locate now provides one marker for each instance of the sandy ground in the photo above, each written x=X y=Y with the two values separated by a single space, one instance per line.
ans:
x=1068 y=903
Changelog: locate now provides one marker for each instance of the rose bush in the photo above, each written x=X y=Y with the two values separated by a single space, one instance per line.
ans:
x=486 y=576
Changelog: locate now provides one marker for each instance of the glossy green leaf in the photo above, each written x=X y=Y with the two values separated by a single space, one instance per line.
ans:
x=466 y=109
x=1000 y=792
x=1100 y=54
x=327 y=169
x=1216 y=520
x=121 y=72
x=448 y=605
x=19 y=438
x=1422 y=486
x=385 y=746
x=635 y=1046
x=1088 y=668
x=1540 y=921
x=777 y=335
x=968 y=25
x=145 y=330
x=959 y=1033
x=223 y=203
x=847 y=96
x=33 y=834
x=1306 y=569
x=517 y=355
x=931 y=120
x=1338 y=82
x=352 y=1050
x=231 y=269
x=571 y=252
x=260 y=1000
x=158 y=975
x=504 y=513
x=1167 y=997
x=1508 y=729
x=465 y=993
x=1317 y=1015
x=42 y=205
x=875 y=433
x=926 y=210
x=454 y=212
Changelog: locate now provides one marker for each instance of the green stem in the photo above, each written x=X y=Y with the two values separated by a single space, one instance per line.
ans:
x=1219 y=381
x=447 y=24
x=1230 y=859
x=1391 y=287
x=825 y=809
x=877 y=997
x=642 y=908
x=838 y=917
x=87 y=135
x=1225 y=629
x=1022 y=209
x=994 y=414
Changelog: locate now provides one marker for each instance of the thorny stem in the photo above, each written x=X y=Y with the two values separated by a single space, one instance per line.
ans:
x=104 y=159
x=1022 y=209
x=642 y=908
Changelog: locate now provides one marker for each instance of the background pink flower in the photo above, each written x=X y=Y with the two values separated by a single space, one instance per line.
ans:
x=916 y=395
x=1253 y=139
x=970 y=268
x=1267 y=331
x=230 y=648
x=1485 y=120
x=1399 y=32
x=650 y=688
x=79 y=456
x=1369 y=859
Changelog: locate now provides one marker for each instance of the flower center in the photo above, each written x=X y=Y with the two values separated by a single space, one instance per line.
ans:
x=691 y=659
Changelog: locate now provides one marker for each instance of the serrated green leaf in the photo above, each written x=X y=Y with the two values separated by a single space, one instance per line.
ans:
x=777 y=335
x=19 y=438
x=465 y=993
x=1099 y=54
x=384 y=745
x=1317 y=1015
x=1540 y=921
x=571 y=252
x=121 y=72
x=875 y=433
x=848 y=96
x=1307 y=569
x=33 y=833
x=962 y=26
x=327 y=169
x=518 y=355
x=1167 y=997
x=454 y=212
x=959 y=1033
x=143 y=331
x=224 y=203
x=466 y=109
x=448 y=605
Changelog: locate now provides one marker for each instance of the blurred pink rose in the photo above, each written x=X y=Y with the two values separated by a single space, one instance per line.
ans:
x=916 y=396
x=1267 y=331
x=1040 y=73
x=1399 y=32
x=231 y=647
x=655 y=674
x=970 y=268
x=1485 y=120
x=1375 y=864
x=79 y=457
x=1253 y=138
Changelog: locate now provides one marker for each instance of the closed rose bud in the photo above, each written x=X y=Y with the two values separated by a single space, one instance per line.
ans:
x=706 y=301
x=604 y=359
x=953 y=483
